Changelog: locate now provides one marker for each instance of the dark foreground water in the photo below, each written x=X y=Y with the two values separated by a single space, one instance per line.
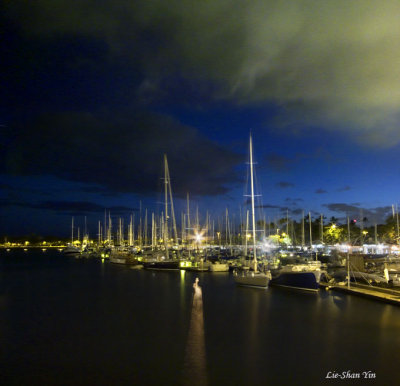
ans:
x=82 y=322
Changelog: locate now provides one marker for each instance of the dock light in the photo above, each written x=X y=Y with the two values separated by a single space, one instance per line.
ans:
x=333 y=226
x=199 y=237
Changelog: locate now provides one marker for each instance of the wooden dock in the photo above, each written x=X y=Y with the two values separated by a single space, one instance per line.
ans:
x=386 y=295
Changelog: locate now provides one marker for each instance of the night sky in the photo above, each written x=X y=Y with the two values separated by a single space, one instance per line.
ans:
x=93 y=93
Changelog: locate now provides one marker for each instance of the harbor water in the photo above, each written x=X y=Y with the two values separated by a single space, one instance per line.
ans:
x=68 y=321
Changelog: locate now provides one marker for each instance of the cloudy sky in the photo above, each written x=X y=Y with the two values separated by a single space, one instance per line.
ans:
x=93 y=93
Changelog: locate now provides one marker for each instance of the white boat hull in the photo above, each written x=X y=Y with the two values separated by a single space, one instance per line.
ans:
x=118 y=260
x=251 y=279
x=219 y=267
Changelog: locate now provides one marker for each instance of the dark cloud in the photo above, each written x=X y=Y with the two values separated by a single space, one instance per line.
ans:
x=245 y=52
x=342 y=207
x=5 y=187
x=320 y=191
x=344 y=189
x=281 y=209
x=293 y=200
x=374 y=215
x=6 y=202
x=269 y=206
x=68 y=207
x=284 y=185
x=122 y=153
x=80 y=207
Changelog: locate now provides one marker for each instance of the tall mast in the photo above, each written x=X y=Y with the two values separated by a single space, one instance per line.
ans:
x=145 y=228
x=188 y=223
x=188 y=210
x=105 y=225
x=226 y=226
x=131 y=232
x=166 y=206
x=252 y=201
x=397 y=222
x=99 y=234
x=120 y=231
x=109 y=227
x=309 y=220
x=72 y=231
x=322 y=229
x=183 y=230
x=172 y=208
x=153 y=232
x=247 y=231
x=348 y=253
x=140 y=225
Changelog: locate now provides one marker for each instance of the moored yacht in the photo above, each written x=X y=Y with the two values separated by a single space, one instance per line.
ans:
x=306 y=276
x=253 y=278
x=162 y=259
x=219 y=266
x=71 y=250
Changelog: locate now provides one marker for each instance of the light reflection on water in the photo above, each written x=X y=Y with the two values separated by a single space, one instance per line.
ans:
x=67 y=321
x=195 y=365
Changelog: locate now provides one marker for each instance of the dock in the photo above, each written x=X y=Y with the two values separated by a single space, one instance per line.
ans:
x=386 y=295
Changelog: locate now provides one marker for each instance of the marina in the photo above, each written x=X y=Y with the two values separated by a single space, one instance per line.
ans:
x=200 y=193
x=75 y=321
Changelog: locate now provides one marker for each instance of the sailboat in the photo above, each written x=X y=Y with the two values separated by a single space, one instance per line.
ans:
x=162 y=259
x=303 y=276
x=71 y=249
x=253 y=278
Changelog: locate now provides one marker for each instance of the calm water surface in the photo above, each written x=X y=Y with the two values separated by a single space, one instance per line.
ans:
x=66 y=321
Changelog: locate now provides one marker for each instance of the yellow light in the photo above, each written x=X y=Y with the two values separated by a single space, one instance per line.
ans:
x=333 y=226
